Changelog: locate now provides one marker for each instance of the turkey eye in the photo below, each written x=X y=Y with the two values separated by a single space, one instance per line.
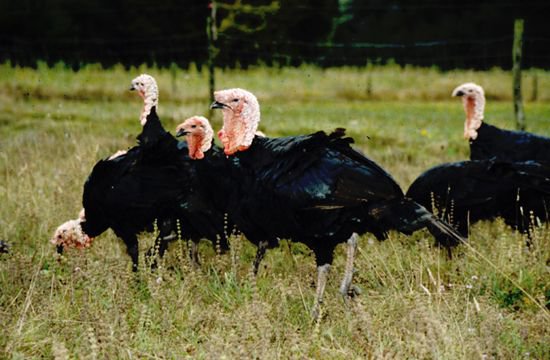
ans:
x=193 y=126
x=235 y=100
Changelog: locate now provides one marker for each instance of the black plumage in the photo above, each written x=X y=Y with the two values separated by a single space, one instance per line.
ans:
x=154 y=181
x=212 y=169
x=129 y=192
x=466 y=192
x=507 y=145
x=314 y=189
x=317 y=190
x=490 y=142
x=4 y=247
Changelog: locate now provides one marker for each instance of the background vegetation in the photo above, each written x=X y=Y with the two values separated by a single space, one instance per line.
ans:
x=448 y=34
x=415 y=303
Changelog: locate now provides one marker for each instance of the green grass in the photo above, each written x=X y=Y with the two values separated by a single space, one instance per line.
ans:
x=415 y=303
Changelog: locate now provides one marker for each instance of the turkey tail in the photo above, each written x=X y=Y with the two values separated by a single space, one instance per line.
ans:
x=407 y=216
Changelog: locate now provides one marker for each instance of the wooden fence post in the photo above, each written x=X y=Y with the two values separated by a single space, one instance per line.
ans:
x=516 y=72
x=535 y=91
x=212 y=35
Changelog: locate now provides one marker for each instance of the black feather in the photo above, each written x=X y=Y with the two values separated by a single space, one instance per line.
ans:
x=316 y=189
x=154 y=181
x=506 y=145
x=4 y=247
x=471 y=191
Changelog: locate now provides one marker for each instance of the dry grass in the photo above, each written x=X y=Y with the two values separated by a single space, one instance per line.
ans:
x=55 y=124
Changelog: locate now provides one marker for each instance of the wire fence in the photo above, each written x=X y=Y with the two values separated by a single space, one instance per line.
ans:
x=232 y=49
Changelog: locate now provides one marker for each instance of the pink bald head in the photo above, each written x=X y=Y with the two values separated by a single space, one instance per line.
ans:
x=147 y=89
x=198 y=134
x=473 y=100
x=70 y=234
x=241 y=115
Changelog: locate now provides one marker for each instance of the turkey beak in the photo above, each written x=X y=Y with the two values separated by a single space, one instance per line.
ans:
x=218 y=105
x=181 y=132
x=132 y=87
x=458 y=93
x=59 y=249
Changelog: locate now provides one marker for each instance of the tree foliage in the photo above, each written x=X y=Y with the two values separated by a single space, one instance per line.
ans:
x=448 y=33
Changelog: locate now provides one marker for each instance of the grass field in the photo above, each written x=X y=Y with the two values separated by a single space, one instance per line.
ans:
x=415 y=303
